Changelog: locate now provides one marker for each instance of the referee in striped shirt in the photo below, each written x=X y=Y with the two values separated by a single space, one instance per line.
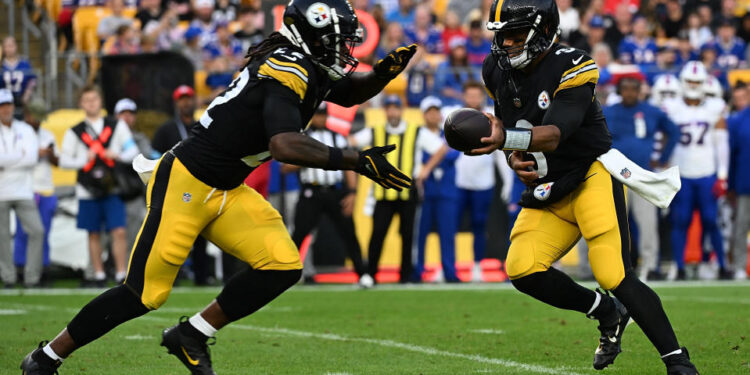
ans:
x=330 y=193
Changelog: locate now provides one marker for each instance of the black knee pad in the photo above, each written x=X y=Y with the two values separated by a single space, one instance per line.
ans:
x=251 y=289
x=105 y=312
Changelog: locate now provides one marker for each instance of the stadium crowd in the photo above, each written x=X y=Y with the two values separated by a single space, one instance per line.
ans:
x=640 y=48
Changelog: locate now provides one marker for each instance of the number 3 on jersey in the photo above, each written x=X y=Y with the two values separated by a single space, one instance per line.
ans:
x=541 y=161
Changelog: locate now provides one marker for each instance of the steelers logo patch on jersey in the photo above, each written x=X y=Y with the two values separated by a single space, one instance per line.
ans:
x=543 y=100
x=542 y=191
x=319 y=15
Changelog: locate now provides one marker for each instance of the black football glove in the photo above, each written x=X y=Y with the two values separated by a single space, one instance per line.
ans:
x=394 y=63
x=373 y=165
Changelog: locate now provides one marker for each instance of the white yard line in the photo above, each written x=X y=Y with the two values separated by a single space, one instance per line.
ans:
x=488 y=331
x=526 y=367
x=738 y=301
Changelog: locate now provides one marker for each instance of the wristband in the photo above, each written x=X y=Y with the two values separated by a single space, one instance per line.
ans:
x=335 y=158
x=517 y=139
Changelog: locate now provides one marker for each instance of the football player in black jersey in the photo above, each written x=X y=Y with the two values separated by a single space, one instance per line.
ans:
x=551 y=127
x=197 y=188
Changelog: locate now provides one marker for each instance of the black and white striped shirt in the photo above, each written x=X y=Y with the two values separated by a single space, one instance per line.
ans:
x=314 y=176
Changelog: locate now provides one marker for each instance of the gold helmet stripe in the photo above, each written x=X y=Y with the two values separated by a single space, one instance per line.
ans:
x=497 y=10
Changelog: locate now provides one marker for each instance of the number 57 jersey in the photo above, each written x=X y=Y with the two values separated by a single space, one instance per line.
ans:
x=695 y=152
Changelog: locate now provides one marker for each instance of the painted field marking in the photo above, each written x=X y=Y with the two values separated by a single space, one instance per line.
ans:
x=488 y=331
x=139 y=337
x=12 y=312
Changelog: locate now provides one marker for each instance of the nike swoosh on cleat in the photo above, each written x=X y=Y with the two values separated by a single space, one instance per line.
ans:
x=612 y=339
x=576 y=61
x=193 y=362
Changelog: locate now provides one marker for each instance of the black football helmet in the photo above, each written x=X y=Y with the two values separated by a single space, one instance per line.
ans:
x=326 y=30
x=539 y=17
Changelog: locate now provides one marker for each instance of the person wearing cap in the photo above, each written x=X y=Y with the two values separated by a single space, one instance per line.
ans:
x=44 y=188
x=19 y=153
x=204 y=21
x=439 y=196
x=329 y=193
x=477 y=45
x=192 y=48
x=167 y=136
x=730 y=50
x=453 y=73
x=93 y=147
x=135 y=207
x=633 y=124
x=594 y=36
x=178 y=128
x=411 y=141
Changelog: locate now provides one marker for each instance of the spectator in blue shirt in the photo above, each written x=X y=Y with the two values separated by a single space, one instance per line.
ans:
x=452 y=74
x=440 y=197
x=404 y=15
x=423 y=32
x=17 y=75
x=223 y=43
x=739 y=185
x=639 y=48
x=420 y=83
x=730 y=50
x=477 y=47
x=633 y=124
x=685 y=51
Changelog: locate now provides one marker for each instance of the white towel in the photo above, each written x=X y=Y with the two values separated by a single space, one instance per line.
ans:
x=144 y=167
x=657 y=188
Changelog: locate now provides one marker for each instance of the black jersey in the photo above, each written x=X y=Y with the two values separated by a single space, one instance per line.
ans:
x=231 y=138
x=524 y=100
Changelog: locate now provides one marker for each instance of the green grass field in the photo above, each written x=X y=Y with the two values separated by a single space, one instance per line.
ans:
x=466 y=329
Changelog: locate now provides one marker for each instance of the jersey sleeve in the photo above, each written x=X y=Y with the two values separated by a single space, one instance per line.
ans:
x=288 y=68
x=580 y=70
x=487 y=68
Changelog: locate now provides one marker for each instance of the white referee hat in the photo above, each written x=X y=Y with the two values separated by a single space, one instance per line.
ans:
x=125 y=104
x=430 y=102
x=6 y=96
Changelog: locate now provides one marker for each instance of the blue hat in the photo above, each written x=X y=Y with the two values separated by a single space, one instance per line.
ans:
x=597 y=22
x=392 y=100
x=192 y=32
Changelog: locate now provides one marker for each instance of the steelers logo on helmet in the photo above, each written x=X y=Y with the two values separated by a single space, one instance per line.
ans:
x=319 y=15
x=543 y=100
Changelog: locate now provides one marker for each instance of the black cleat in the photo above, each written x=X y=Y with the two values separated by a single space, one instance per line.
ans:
x=679 y=364
x=38 y=363
x=191 y=351
x=611 y=338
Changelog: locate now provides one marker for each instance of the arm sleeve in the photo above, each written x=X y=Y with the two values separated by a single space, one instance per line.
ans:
x=280 y=110
x=733 y=148
x=70 y=157
x=30 y=149
x=429 y=142
x=673 y=135
x=568 y=109
x=721 y=142
x=363 y=138
x=125 y=146
x=356 y=89
x=10 y=156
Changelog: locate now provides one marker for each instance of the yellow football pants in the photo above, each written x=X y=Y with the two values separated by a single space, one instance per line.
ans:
x=180 y=207
x=596 y=210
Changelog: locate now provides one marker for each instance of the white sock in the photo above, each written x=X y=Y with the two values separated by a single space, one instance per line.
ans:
x=51 y=353
x=120 y=275
x=678 y=351
x=100 y=275
x=596 y=304
x=202 y=325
